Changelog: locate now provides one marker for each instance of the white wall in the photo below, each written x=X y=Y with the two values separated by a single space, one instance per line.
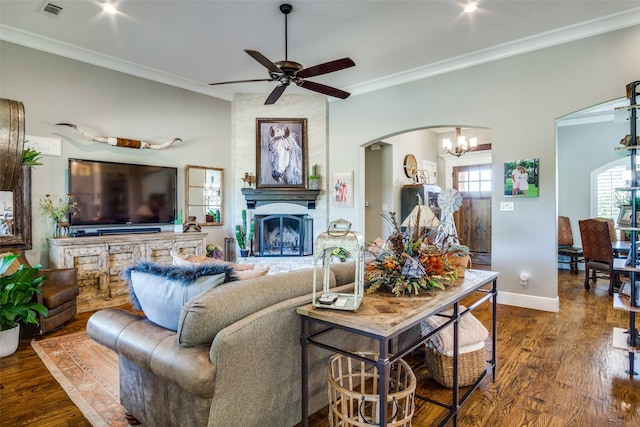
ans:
x=108 y=103
x=519 y=99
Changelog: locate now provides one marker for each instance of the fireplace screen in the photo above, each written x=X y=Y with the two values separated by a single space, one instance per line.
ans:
x=283 y=235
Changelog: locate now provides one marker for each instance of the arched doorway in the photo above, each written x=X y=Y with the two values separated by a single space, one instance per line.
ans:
x=385 y=177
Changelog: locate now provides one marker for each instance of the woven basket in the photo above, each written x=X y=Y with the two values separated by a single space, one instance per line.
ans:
x=353 y=398
x=470 y=366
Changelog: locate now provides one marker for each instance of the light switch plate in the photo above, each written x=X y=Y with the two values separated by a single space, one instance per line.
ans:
x=506 y=206
x=47 y=146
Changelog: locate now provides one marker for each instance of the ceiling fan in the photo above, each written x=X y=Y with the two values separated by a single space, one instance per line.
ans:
x=287 y=72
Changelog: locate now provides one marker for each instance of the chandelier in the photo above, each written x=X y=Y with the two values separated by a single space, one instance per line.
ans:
x=461 y=145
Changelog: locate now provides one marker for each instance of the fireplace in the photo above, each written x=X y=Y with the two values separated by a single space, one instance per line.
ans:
x=279 y=235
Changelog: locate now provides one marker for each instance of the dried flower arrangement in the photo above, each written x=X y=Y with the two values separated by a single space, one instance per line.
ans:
x=60 y=212
x=409 y=263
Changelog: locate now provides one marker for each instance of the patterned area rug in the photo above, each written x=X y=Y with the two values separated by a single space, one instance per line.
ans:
x=88 y=372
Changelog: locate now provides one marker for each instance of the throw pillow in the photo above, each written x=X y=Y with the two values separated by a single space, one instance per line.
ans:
x=160 y=291
x=239 y=269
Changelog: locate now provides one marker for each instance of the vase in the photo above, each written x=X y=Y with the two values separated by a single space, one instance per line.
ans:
x=9 y=340
x=244 y=253
x=61 y=229
x=314 y=184
x=178 y=228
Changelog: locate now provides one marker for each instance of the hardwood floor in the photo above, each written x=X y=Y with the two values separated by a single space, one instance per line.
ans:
x=554 y=369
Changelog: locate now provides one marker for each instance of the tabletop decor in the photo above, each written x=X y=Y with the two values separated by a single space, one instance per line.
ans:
x=409 y=263
x=59 y=213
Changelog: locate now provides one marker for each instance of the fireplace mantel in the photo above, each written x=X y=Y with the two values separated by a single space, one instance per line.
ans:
x=298 y=196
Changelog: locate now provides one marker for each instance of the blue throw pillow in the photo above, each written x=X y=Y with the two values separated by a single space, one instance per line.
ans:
x=160 y=291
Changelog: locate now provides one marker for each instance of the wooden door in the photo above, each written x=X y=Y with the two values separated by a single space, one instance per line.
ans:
x=473 y=219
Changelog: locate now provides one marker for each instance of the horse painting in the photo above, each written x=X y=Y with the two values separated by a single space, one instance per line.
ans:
x=285 y=156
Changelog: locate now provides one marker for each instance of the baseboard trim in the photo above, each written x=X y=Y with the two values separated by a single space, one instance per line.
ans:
x=529 y=301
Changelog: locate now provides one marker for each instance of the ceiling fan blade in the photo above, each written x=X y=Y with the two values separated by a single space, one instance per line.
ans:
x=324 y=89
x=264 y=61
x=325 y=68
x=275 y=95
x=241 y=81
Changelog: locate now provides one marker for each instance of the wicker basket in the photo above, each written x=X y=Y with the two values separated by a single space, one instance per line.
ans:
x=353 y=398
x=470 y=366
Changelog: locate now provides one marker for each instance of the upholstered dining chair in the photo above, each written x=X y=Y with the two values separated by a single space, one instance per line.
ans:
x=597 y=251
x=565 y=245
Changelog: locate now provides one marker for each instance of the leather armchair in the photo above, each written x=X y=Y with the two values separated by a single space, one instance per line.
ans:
x=59 y=292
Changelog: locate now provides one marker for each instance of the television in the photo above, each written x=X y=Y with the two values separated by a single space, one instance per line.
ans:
x=122 y=194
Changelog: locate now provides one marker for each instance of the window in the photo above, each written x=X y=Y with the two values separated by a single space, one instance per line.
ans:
x=473 y=179
x=608 y=199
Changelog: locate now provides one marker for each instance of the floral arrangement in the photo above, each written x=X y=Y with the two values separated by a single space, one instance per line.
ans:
x=60 y=212
x=409 y=264
x=214 y=251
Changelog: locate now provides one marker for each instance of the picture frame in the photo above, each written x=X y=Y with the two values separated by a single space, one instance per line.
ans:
x=281 y=153
x=521 y=178
x=421 y=177
x=342 y=187
x=624 y=216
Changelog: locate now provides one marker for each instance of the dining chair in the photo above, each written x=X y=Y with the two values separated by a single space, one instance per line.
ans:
x=598 y=252
x=565 y=245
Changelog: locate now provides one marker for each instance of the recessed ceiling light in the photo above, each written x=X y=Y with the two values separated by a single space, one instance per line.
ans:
x=471 y=7
x=110 y=9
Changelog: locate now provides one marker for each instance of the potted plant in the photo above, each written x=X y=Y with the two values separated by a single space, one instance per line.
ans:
x=17 y=303
x=242 y=237
x=314 y=178
x=210 y=216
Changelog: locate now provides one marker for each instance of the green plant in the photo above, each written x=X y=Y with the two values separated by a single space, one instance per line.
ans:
x=314 y=177
x=31 y=157
x=242 y=237
x=340 y=253
x=16 y=294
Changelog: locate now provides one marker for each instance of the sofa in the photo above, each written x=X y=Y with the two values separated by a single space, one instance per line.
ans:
x=235 y=359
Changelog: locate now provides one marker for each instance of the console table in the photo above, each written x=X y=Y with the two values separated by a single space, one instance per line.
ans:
x=383 y=317
x=100 y=261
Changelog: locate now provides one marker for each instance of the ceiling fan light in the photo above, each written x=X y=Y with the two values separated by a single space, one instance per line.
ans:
x=473 y=142
x=446 y=144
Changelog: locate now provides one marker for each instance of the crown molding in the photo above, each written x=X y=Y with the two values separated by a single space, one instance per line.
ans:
x=582 y=30
x=559 y=36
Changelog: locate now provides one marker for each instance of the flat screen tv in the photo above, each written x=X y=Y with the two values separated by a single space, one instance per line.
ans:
x=110 y=194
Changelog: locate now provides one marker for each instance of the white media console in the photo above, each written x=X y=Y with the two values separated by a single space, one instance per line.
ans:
x=100 y=261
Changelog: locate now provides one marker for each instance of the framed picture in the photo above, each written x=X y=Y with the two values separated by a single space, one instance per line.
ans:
x=281 y=153
x=624 y=217
x=342 y=189
x=421 y=177
x=521 y=178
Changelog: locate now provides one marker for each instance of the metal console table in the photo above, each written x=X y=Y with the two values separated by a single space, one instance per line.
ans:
x=384 y=317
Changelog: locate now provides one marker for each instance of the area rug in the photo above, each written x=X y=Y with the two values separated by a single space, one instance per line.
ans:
x=88 y=372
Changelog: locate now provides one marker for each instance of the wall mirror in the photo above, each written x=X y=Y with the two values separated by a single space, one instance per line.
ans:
x=15 y=213
x=204 y=194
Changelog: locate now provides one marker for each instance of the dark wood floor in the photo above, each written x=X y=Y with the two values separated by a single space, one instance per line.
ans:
x=555 y=369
